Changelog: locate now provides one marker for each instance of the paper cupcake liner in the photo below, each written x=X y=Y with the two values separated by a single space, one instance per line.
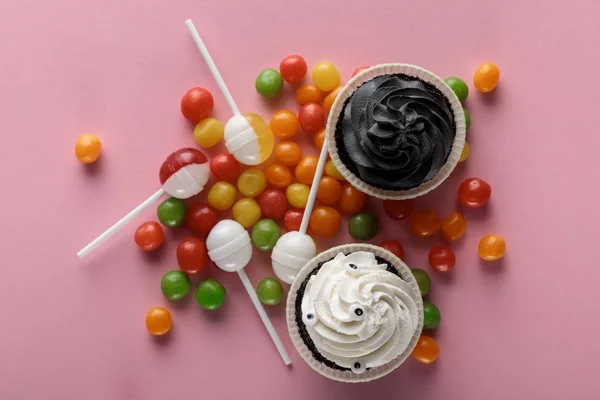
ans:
x=302 y=348
x=392 y=69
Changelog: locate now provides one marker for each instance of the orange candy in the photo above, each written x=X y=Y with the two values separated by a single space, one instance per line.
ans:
x=492 y=247
x=319 y=139
x=454 y=226
x=329 y=191
x=425 y=223
x=158 y=321
x=330 y=98
x=288 y=154
x=306 y=168
x=486 y=77
x=351 y=199
x=308 y=94
x=87 y=148
x=279 y=176
x=324 y=221
x=284 y=124
x=427 y=350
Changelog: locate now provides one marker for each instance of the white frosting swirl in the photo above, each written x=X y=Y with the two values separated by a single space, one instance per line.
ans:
x=358 y=314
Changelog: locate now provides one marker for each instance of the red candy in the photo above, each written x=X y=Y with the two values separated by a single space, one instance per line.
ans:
x=225 y=167
x=149 y=236
x=360 y=69
x=311 y=118
x=201 y=218
x=393 y=246
x=442 y=258
x=197 y=104
x=474 y=192
x=293 y=219
x=293 y=68
x=273 y=203
x=398 y=209
x=191 y=256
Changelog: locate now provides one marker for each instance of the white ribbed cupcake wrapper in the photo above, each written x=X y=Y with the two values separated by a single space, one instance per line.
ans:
x=349 y=376
x=392 y=69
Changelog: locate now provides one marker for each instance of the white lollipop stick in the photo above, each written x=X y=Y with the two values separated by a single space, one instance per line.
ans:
x=314 y=188
x=265 y=318
x=212 y=66
x=121 y=223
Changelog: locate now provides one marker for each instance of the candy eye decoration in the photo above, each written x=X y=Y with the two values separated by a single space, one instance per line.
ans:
x=358 y=366
x=249 y=139
x=309 y=319
x=351 y=267
x=357 y=312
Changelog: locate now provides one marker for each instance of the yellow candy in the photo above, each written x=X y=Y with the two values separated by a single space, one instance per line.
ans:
x=209 y=132
x=465 y=153
x=266 y=142
x=297 y=194
x=222 y=195
x=87 y=148
x=331 y=170
x=252 y=182
x=326 y=76
x=247 y=212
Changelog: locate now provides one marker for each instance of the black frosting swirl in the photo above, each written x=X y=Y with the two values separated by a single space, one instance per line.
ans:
x=395 y=132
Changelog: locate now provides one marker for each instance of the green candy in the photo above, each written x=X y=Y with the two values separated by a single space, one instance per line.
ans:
x=265 y=234
x=210 y=294
x=423 y=280
x=459 y=87
x=269 y=291
x=431 y=316
x=467 y=118
x=171 y=212
x=363 y=226
x=269 y=83
x=175 y=284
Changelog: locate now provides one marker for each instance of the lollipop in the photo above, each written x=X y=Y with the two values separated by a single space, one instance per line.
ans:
x=183 y=174
x=247 y=136
x=228 y=245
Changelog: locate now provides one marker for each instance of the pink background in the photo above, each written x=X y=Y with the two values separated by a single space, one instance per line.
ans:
x=525 y=327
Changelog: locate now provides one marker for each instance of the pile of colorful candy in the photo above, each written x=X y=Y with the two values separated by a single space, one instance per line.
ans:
x=259 y=197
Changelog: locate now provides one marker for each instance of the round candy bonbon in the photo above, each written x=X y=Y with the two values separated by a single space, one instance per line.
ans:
x=149 y=236
x=329 y=190
x=269 y=83
x=246 y=211
x=423 y=280
x=351 y=200
x=331 y=170
x=252 y=182
x=288 y=154
x=171 y=212
x=249 y=139
x=466 y=151
x=87 y=148
x=492 y=247
x=467 y=118
x=209 y=132
x=324 y=221
x=293 y=219
x=158 y=321
x=359 y=70
x=197 y=104
x=311 y=117
x=279 y=176
x=398 y=209
x=273 y=203
x=229 y=246
x=363 y=226
x=210 y=294
x=330 y=98
x=486 y=77
x=201 y=218
x=319 y=139
x=454 y=226
x=394 y=247
x=425 y=223
x=191 y=256
x=474 y=192
x=292 y=251
x=265 y=234
x=225 y=167
x=431 y=316
x=284 y=124
x=442 y=258
x=297 y=194
x=308 y=94
x=222 y=195
x=326 y=76
x=458 y=86
x=293 y=68
x=306 y=168
x=427 y=350
x=175 y=284
x=184 y=173
x=269 y=291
